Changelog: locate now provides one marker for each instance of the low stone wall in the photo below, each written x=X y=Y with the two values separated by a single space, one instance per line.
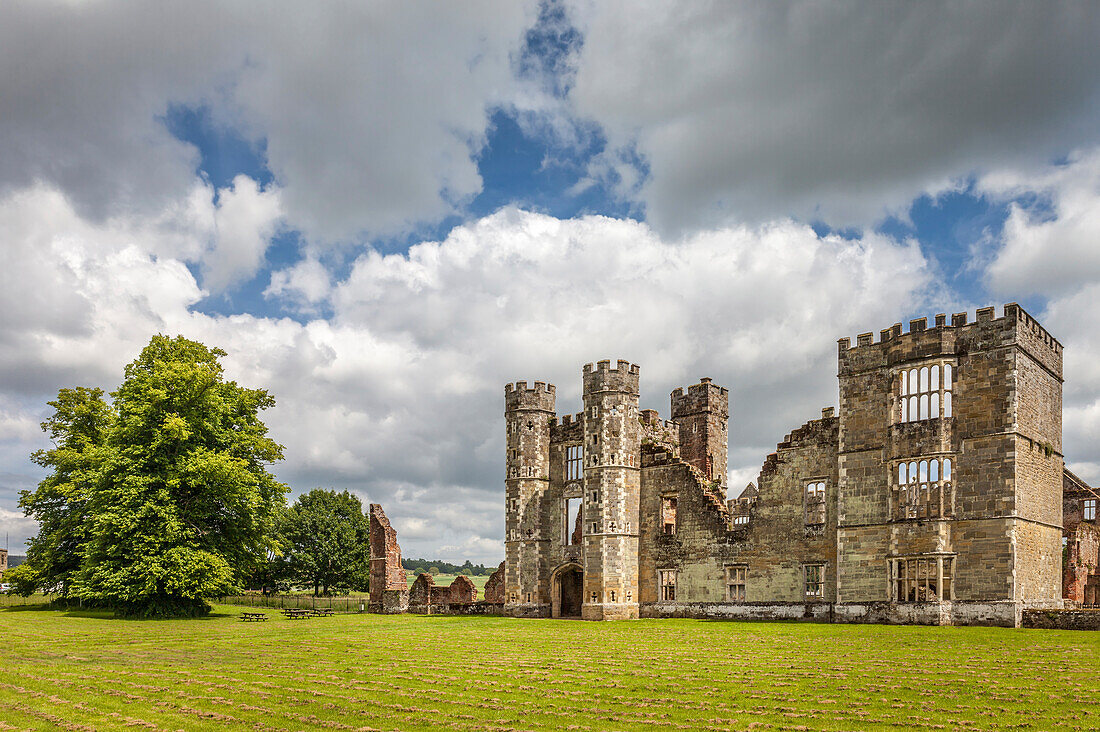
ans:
x=1079 y=619
x=1006 y=614
x=459 y=608
x=813 y=611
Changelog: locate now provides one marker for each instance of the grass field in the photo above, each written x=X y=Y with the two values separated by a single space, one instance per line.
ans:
x=85 y=671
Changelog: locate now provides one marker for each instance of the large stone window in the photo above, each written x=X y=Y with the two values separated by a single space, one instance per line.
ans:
x=814 y=580
x=1088 y=509
x=574 y=462
x=666 y=584
x=923 y=488
x=814 y=502
x=736 y=576
x=924 y=392
x=922 y=579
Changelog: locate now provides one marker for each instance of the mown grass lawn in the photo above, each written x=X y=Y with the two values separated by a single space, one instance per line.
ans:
x=80 y=670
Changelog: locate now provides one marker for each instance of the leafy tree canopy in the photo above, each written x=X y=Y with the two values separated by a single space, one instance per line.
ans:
x=164 y=495
x=328 y=542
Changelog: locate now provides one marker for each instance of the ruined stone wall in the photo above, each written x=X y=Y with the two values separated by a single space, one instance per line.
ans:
x=774 y=547
x=389 y=587
x=702 y=413
x=1062 y=619
x=494 y=586
x=1082 y=560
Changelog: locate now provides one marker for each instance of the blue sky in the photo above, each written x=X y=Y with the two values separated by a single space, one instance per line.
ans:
x=384 y=213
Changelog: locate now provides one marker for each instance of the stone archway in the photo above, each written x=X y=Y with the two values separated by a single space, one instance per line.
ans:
x=568 y=591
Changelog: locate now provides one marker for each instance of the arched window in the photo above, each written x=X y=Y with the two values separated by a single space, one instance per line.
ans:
x=925 y=392
x=924 y=488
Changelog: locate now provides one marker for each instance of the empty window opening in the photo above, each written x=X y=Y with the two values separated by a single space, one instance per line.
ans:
x=574 y=462
x=815 y=503
x=923 y=394
x=595 y=597
x=740 y=520
x=613 y=596
x=594 y=496
x=922 y=579
x=814 y=575
x=1088 y=509
x=595 y=527
x=924 y=488
x=668 y=515
x=666 y=581
x=735 y=582
x=573 y=521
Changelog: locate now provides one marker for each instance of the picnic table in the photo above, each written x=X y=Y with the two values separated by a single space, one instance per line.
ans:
x=253 y=617
x=296 y=613
x=322 y=612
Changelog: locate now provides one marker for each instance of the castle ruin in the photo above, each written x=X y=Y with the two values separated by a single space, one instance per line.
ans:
x=932 y=494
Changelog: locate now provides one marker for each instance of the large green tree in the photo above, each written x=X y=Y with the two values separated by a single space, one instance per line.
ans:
x=327 y=542
x=175 y=501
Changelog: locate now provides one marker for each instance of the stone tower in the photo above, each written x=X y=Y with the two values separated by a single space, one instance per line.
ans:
x=528 y=414
x=950 y=463
x=612 y=484
x=702 y=415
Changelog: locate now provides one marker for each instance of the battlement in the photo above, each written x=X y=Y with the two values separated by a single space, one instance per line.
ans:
x=603 y=377
x=518 y=396
x=702 y=397
x=986 y=331
x=1012 y=314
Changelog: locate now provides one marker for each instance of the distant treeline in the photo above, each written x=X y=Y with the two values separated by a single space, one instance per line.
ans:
x=420 y=566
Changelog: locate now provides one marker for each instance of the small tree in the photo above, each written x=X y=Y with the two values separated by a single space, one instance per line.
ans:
x=328 y=542
x=433 y=571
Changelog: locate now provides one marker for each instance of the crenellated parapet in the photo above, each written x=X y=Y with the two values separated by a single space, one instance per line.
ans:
x=944 y=338
x=539 y=398
x=702 y=397
x=623 y=376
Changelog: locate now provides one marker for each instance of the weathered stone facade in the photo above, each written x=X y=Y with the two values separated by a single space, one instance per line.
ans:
x=932 y=495
x=389 y=586
x=3 y=562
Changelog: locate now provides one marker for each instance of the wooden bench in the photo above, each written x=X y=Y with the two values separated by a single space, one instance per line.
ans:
x=253 y=617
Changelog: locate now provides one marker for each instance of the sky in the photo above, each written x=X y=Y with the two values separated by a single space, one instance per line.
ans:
x=383 y=212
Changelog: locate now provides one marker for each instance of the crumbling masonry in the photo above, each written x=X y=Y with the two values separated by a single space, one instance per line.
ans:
x=389 y=586
x=933 y=494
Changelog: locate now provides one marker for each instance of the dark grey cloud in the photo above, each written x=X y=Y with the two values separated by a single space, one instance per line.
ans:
x=831 y=111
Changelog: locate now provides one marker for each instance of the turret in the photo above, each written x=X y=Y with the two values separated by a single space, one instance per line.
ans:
x=612 y=473
x=703 y=414
x=528 y=414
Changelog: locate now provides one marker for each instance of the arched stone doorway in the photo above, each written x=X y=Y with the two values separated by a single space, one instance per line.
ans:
x=568 y=586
